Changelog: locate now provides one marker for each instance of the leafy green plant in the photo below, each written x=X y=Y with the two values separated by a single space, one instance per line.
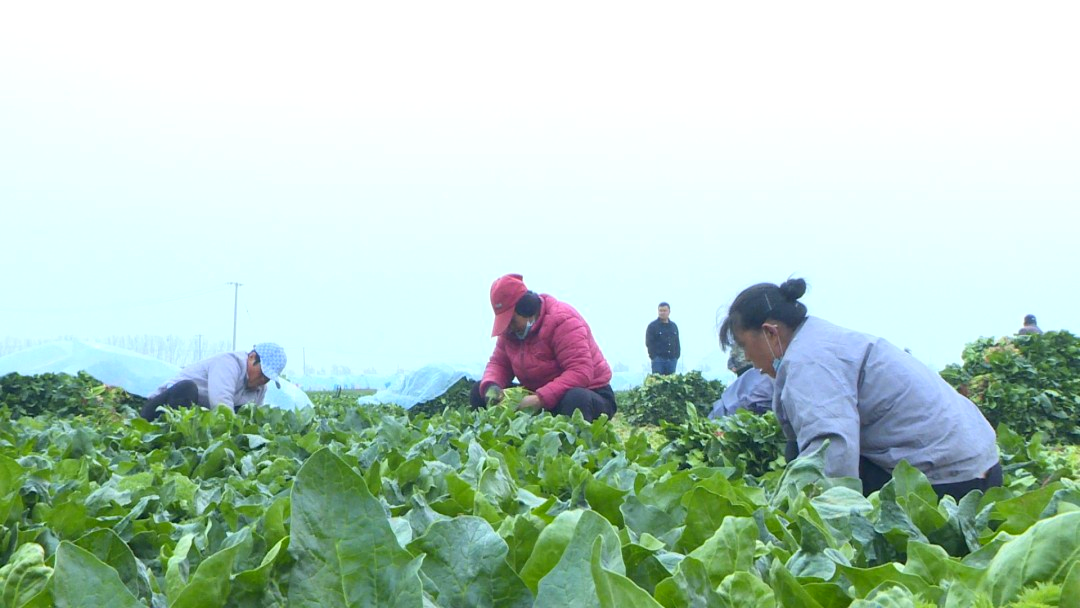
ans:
x=1029 y=464
x=1031 y=383
x=513 y=396
x=340 y=505
x=663 y=398
x=456 y=397
x=754 y=444
x=61 y=394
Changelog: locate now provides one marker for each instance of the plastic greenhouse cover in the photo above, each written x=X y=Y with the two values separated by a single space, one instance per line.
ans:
x=422 y=385
x=136 y=373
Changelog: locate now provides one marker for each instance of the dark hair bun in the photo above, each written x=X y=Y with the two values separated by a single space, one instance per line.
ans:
x=793 y=289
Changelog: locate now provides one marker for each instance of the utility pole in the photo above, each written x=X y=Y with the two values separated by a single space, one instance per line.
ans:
x=199 y=357
x=236 y=299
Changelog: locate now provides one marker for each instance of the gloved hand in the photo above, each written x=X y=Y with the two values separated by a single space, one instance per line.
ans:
x=493 y=394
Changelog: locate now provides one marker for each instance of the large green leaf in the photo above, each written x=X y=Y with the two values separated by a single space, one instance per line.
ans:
x=894 y=596
x=254 y=587
x=837 y=507
x=908 y=482
x=690 y=587
x=744 y=589
x=83 y=581
x=613 y=589
x=112 y=550
x=605 y=500
x=911 y=490
x=520 y=533
x=804 y=471
x=176 y=569
x=788 y=590
x=815 y=558
x=730 y=549
x=646 y=562
x=570 y=583
x=1021 y=512
x=549 y=547
x=274 y=526
x=466 y=560
x=24 y=576
x=966 y=521
x=706 y=511
x=934 y=565
x=865 y=580
x=210 y=585
x=1070 y=588
x=11 y=479
x=1045 y=553
x=651 y=519
x=346 y=553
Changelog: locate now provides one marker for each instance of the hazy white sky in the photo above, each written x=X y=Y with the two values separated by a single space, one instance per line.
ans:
x=367 y=169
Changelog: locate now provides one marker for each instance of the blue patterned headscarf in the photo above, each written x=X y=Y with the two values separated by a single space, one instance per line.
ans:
x=271 y=358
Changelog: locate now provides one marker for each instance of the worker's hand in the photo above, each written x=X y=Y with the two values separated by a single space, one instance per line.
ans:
x=493 y=394
x=530 y=402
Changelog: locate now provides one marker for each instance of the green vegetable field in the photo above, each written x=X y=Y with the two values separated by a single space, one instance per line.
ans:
x=350 y=506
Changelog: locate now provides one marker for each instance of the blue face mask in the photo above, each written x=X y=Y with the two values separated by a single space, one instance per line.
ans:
x=776 y=360
x=525 y=332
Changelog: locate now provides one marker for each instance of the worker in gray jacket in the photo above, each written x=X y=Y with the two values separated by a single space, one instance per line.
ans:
x=876 y=404
x=230 y=379
x=751 y=390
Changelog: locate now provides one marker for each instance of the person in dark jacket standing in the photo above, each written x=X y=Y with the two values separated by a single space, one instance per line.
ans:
x=662 y=341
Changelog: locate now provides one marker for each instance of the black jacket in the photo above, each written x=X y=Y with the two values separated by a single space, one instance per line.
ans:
x=662 y=340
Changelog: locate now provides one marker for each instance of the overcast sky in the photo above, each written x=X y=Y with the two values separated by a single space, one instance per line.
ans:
x=366 y=170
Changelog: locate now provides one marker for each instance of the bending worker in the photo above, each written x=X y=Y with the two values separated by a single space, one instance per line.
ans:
x=549 y=348
x=751 y=390
x=230 y=379
x=876 y=404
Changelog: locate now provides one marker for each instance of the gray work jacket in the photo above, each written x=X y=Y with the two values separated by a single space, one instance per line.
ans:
x=221 y=379
x=874 y=400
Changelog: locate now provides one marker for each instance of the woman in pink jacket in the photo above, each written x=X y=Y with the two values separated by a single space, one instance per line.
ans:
x=549 y=348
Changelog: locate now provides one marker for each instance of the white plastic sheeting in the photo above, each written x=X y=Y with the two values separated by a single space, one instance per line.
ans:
x=713 y=367
x=424 y=384
x=137 y=374
x=288 y=397
x=433 y=380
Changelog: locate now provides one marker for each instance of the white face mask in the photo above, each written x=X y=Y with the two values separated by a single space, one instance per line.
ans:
x=525 y=332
